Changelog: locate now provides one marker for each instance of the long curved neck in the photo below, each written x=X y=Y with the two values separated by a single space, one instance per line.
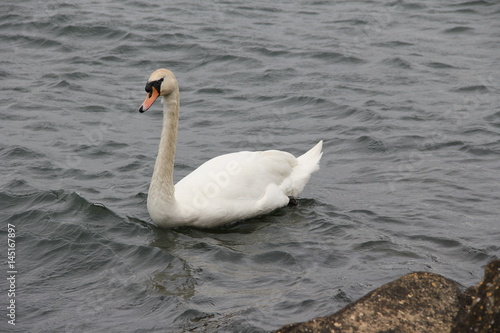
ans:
x=162 y=181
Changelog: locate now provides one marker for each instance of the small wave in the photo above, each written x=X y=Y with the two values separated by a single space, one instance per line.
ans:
x=394 y=43
x=91 y=32
x=398 y=62
x=440 y=241
x=439 y=65
x=472 y=3
x=19 y=152
x=92 y=108
x=475 y=88
x=275 y=257
x=458 y=30
x=493 y=119
x=374 y=248
x=433 y=145
x=372 y=144
x=215 y=91
x=269 y=52
x=482 y=150
x=335 y=57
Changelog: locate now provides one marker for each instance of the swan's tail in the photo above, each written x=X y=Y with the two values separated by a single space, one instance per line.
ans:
x=308 y=163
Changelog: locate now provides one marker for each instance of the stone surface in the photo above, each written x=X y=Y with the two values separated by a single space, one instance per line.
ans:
x=483 y=314
x=417 y=302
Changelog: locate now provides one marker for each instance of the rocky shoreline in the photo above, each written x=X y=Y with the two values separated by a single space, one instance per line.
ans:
x=417 y=302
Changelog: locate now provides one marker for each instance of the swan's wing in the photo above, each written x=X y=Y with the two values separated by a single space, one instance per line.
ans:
x=242 y=184
x=242 y=175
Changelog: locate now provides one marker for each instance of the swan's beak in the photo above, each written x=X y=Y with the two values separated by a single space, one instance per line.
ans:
x=150 y=99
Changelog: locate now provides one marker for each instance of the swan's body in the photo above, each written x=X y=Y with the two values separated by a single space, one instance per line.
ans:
x=226 y=188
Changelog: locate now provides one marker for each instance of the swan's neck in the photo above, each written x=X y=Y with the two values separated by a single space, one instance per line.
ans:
x=162 y=182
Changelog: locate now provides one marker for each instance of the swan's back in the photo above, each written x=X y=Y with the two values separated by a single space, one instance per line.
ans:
x=242 y=185
x=236 y=176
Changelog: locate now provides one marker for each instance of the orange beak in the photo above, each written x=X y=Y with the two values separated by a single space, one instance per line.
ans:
x=150 y=99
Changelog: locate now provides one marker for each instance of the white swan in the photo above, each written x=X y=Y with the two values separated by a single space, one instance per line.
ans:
x=227 y=188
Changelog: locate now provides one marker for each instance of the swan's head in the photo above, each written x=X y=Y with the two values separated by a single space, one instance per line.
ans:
x=161 y=83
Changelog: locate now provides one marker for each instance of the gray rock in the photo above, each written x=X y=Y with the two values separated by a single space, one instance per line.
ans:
x=417 y=302
x=482 y=314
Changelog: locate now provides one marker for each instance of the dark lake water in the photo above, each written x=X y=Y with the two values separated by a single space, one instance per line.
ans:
x=404 y=93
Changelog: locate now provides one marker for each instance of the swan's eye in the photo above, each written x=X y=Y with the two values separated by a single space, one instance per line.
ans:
x=153 y=84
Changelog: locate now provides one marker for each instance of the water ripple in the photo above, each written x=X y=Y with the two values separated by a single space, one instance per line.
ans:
x=407 y=181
